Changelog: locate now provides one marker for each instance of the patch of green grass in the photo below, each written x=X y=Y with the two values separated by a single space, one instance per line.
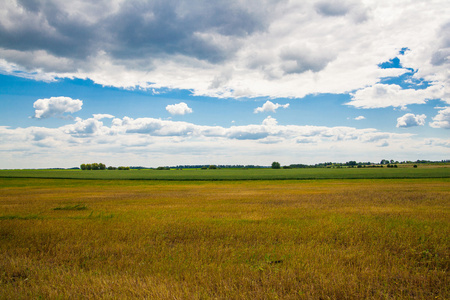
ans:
x=236 y=174
x=72 y=207
x=18 y=217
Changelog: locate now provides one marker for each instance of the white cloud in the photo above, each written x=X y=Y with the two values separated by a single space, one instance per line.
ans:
x=56 y=106
x=269 y=121
x=165 y=142
x=270 y=107
x=383 y=144
x=438 y=142
x=179 y=109
x=253 y=52
x=385 y=95
x=103 y=116
x=359 y=118
x=410 y=120
x=442 y=119
x=85 y=128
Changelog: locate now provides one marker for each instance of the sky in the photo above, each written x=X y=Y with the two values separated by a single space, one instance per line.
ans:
x=184 y=82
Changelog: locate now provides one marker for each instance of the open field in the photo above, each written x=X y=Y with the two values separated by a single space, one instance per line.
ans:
x=308 y=239
x=440 y=171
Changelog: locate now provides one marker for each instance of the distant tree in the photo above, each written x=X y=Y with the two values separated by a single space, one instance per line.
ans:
x=276 y=165
x=384 y=162
x=415 y=166
x=112 y=168
x=212 y=167
x=93 y=166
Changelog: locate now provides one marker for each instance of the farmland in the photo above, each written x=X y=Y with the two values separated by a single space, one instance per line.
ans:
x=181 y=238
x=440 y=171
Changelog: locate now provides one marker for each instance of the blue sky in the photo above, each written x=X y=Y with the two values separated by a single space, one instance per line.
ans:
x=229 y=82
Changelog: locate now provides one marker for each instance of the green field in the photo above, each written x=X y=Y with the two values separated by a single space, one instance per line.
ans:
x=238 y=174
x=283 y=239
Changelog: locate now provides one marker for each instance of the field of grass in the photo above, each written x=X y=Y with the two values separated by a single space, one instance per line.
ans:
x=285 y=239
x=239 y=174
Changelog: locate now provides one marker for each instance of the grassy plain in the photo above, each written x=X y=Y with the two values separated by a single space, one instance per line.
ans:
x=284 y=239
x=424 y=171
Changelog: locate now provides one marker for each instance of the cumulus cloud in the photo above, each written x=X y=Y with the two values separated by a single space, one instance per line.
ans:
x=179 y=109
x=55 y=106
x=359 y=118
x=442 y=119
x=410 y=120
x=157 y=142
x=270 y=107
x=228 y=48
x=385 y=95
x=85 y=128
x=269 y=128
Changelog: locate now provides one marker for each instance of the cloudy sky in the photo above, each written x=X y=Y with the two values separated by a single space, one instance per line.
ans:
x=153 y=83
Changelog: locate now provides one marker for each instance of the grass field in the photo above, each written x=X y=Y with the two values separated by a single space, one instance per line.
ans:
x=284 y=239
x=440 y=171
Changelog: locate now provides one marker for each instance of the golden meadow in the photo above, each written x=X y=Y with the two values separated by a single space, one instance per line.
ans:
x=253 y=239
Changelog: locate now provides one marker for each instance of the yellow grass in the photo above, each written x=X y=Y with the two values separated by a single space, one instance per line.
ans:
x=327 y=239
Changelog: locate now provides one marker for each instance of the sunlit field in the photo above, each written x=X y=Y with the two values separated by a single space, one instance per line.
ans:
x=284 y=239
x=403 y=171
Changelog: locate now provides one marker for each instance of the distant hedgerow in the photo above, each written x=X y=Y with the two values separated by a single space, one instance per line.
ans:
x=93 y=166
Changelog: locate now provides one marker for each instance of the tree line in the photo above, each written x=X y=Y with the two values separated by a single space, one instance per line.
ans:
x=101 y=166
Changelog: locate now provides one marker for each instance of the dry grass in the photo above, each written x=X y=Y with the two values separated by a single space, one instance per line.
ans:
x=329 y=239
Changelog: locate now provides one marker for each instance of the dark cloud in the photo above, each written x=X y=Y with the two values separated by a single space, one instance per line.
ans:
x=247 y=135
x=442 y=55
x=138 y=29
x=338 y=8
x=180 y=27
x=45 y=26
x=332 y=8
x=30 y=5
x=302 y=59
